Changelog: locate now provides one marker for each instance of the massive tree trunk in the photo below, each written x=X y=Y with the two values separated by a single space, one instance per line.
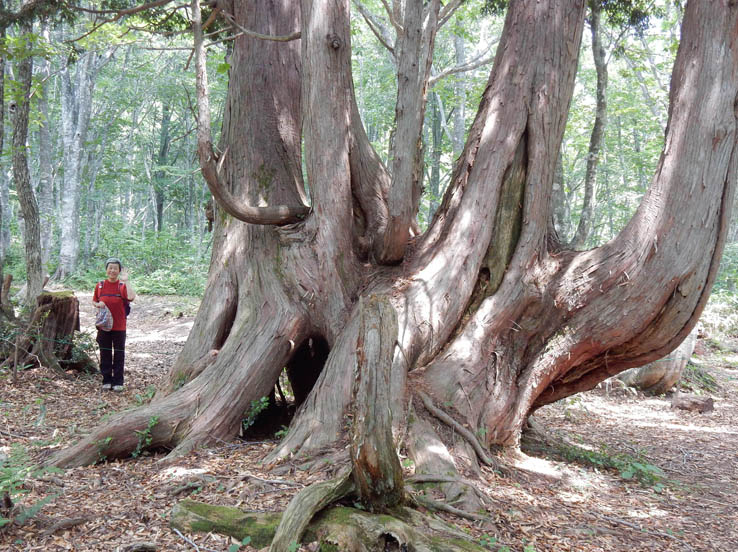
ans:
x=494 y=318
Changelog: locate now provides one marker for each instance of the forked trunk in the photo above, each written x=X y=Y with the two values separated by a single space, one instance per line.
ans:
x=494 y=318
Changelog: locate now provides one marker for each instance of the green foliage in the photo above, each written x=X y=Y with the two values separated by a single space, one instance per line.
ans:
x=144 y=436
x=84 y=346
x=13 y=474
x=147 y=395
x=626 y=465
x=236 y=547
x=257 y=407
x=720 y=317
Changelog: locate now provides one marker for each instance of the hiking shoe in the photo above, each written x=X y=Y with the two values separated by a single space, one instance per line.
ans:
x=118 y=388
x=107 y=386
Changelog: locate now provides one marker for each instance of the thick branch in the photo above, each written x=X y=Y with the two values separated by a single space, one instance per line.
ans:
x=281 y=214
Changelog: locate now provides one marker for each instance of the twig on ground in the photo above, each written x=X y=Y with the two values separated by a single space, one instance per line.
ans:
x=65 y=524
x=193 y=544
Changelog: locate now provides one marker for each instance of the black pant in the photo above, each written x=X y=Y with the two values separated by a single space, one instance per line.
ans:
x=112 y=355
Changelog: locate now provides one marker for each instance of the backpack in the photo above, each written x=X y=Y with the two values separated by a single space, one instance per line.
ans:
x=126 y=302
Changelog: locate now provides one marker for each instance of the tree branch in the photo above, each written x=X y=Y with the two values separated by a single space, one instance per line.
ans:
x=210 y=163
x=253 y=34
x=448 y=11
x=479 y=61
x=379 y=30
x=392 y=18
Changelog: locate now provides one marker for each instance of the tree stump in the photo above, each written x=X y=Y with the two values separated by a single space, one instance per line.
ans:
x=48 y=338
x=660 y=376
x=693 y=403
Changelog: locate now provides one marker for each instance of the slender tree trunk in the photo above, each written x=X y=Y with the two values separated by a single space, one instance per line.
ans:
x=3 y=180
x=161 y=160
x=460 y=93
x=77 y=91
x=45 y=181
x=586 y=218
x=22 y=176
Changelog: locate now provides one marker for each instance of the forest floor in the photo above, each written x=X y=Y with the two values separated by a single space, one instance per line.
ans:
x=637 y=475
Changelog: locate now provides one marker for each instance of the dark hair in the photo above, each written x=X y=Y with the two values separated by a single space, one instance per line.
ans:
x=113 y=260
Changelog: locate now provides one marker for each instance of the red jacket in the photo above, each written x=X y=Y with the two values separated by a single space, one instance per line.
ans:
x=113 y=294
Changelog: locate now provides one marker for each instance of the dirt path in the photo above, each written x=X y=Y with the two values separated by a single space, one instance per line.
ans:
x=545 y=504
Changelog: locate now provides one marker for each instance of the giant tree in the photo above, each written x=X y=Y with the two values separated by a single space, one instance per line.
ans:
x=488 y=315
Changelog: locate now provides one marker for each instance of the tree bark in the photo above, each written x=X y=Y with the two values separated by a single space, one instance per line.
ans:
x=45 y=173
x=494 y=317
x=77 y=92
x=22 y=176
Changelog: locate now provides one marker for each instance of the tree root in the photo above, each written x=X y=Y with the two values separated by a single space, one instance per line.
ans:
x=443 y=507
x=468 y=435
x=305 y=505
x=428 y=478
x=334 y=528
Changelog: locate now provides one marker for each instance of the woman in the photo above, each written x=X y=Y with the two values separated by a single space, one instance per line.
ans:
x=114 y=292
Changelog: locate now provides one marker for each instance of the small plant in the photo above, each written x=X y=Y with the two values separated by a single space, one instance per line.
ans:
x=257 y=407
x=13 y=474
x=627 y=466
x=236 y=547
x=147 y=395
x=293 y=546
x=282 y=433
x=144 y=436
x=101 y=446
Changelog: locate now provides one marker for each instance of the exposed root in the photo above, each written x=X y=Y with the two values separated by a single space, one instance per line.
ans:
x=443 y=507
x=305 y=505
x=429 y=478
x=432 y=457
x=335 y=528
x=460 y=429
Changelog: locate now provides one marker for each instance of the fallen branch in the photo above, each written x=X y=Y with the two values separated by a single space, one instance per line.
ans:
x=619 y=521
x=65 y=524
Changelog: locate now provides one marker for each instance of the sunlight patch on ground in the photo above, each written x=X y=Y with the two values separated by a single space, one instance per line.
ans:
x=648 y=413
x=165 y=335
x=538 y=465
x=179 y=472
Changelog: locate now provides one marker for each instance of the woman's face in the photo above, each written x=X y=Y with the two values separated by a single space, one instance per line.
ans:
x=112 y=270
